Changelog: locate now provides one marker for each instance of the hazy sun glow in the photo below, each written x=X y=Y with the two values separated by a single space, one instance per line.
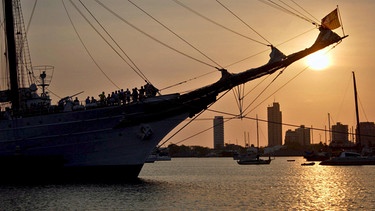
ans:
x=318 y=61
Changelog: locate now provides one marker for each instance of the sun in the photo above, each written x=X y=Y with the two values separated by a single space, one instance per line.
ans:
x=318 y=60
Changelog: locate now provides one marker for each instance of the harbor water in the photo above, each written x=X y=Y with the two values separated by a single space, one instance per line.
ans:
x=210 y=184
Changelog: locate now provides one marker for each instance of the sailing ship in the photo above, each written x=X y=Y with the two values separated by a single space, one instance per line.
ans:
x=39 y=140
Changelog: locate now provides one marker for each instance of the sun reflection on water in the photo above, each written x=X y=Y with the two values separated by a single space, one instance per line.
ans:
x=328 y=188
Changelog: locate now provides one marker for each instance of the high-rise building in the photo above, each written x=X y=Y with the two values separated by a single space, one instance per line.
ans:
x=218 y=132
x=274 y=125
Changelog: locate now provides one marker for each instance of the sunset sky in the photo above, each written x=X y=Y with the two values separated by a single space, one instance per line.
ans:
x=305 y=100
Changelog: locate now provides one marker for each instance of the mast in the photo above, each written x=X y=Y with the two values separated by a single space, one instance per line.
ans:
x=356 y=111
x=329 y=127
x=257 y=134
x=11 y=53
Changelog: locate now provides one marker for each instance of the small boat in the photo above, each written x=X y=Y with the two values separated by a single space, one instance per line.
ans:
x=349 y=159
x=316 y=156
x=252 y=161
x=308 y=164
x=159 y=155
x=290 y=160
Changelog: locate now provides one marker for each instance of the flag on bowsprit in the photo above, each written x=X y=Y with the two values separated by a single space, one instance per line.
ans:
x=331 y=21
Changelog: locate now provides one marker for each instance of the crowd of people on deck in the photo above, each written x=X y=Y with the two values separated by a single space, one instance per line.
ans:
x=121 y=97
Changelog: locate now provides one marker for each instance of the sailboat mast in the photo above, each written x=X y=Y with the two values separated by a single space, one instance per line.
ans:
x=356 y=111
x=257 y=133
x=329 y=127
x=11 y=53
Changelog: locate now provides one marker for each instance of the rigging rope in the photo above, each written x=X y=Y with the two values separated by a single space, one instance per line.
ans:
x=243 y=22
x=278 y=89
x=260 y=120
x=190 y=121
x=267 y=49
x=265 y=89
x=83 y=44
x=238 y=93
x=182 y=82
x=241 y=106
x=226 y=66
x=342 y=103
x=281 y=8
x=220 y=25
x=202 y=131
x=363 y=110
x=106 y=41
x=342 y=24
x=135 y=68
x=181 y=38
x=235 y=116
x=31 y=16
x=24 y=41
x=264 y=78
x=31 y=72
x=287 y=82
x=297 y=36
x=298 y=12
x=241 y=116
x=151 y=37
x=305 y=10
x=234 y=63
x=179 y=130
x=246 y=58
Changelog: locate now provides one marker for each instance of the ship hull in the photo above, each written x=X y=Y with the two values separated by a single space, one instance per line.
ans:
x=349 y=161
x=50 y=169
x=91 y=144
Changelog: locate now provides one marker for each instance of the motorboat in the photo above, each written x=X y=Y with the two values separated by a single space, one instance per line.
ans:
x=349 y=159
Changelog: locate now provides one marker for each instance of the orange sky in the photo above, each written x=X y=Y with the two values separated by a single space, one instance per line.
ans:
x=305 y=100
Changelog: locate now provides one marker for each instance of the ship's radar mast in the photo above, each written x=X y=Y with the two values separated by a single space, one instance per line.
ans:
x=45 y=77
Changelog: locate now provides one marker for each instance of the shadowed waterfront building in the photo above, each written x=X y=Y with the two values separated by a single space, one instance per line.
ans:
x=291 y=137
x=367 y=130
x=340 y=134
x=300 y=136
x=274 y=125
x=218 y=132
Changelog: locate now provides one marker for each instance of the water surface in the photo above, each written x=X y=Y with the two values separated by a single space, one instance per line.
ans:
x=210 y=184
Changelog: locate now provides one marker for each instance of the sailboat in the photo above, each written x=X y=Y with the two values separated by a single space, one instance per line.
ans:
x=41 y=141
x=350 y=158
x=254 y=159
